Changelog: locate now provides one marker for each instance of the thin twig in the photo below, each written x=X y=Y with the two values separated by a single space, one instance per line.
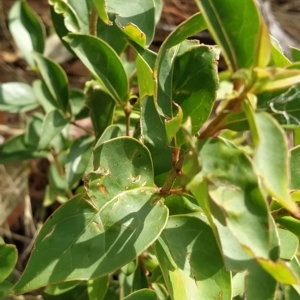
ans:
x=174 y=172
x=93 y=22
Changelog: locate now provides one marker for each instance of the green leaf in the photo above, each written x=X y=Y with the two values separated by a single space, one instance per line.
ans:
x=84 y=242
x=8 y=259
x=283 y=105
x=154 y=137
x=295 y=54
x=79 y=292
x=164 y=65
x=230 y=32
x=288 y=244
x=97 y=288
x=27 y=30
x=145 y=294
x=77 y=159
x=15 y=149
x=271 y=159
x=278 y=58
x=60 y=288
x=295 y=168
x=71 y=21
x=112 y=35
x=238 y=283
x=280 y=271
x=43 y=96
x=120 y=164
x=192 y=247
x=55 y=80
x=146 y=83
x=236 y=194
x=5 y=287
x=173 y=125
x=158 y=9
x=54 y=123
x=17 y=97
x=195 y=82
x=136 y=18
x=259 y=285
x=77 y=104
x=101 y=106
x=33 y=130
x=94 y=52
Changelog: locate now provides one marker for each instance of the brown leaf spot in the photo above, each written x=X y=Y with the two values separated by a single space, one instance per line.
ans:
x=102 y=189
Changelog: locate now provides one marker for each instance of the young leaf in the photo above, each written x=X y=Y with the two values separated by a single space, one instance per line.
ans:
x=27 y=30
x=193 y=276
x=103 y=62
x=154 y=136
x=8 y=259
x=17 y=97
x=230 y=32
x=55 y=79
x=54 y=123
x=77 y=159
x=84 y=242
x=136 y=18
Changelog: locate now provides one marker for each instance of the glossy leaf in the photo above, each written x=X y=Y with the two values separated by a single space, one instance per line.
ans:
x=120 y=164
x=154 y=136
x=145 y=294
x=103 y=62
x=55 y=80
x=271 y=159
x=17 y=97
x=195 y=82
x=187 y=268
x=77 y=159
x=54 y=123
x=135 y=17
x=88 y=242
x=8 y=259
x=173 y=125
x=101 y=106
x=26 y=29
x=230 y=32
x=164 y=65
